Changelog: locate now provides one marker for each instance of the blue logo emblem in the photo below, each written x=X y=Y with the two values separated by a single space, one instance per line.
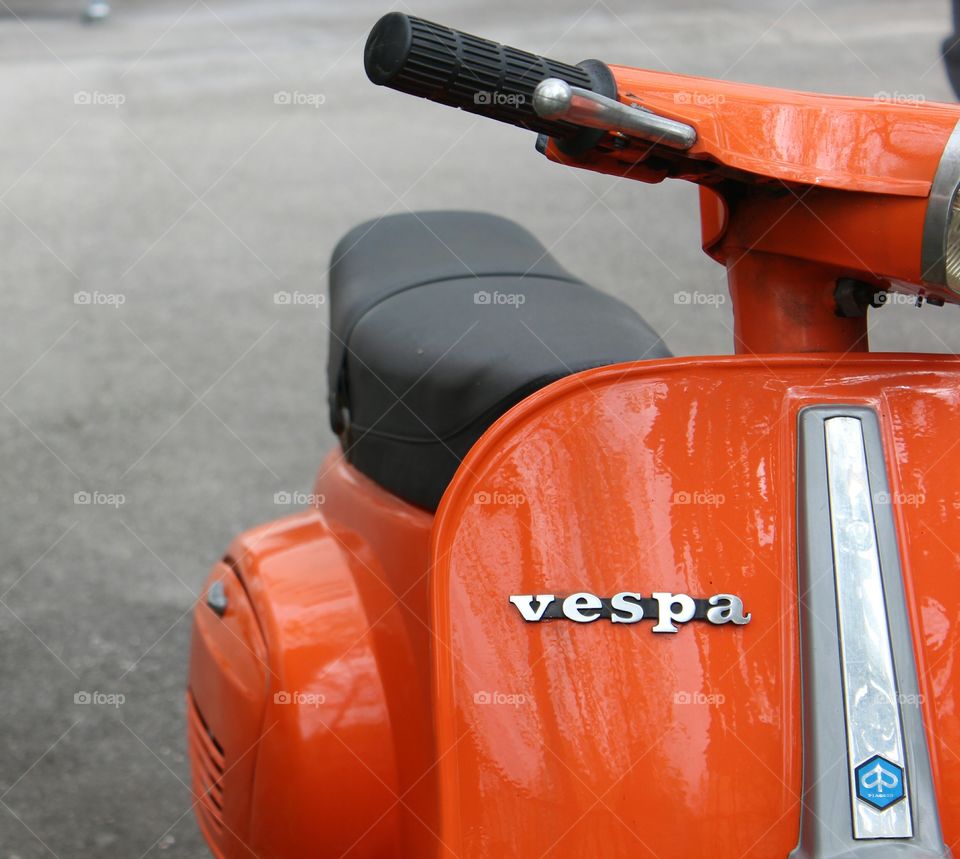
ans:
x=879 y=782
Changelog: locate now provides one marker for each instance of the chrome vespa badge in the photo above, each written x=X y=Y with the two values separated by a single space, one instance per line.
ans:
x=668 y=609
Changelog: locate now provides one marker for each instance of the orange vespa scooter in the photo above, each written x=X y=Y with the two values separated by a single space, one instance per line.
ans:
x=562 y=594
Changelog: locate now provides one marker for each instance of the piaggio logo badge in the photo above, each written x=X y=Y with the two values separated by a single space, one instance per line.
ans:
x=668 y=609
x=880 y=782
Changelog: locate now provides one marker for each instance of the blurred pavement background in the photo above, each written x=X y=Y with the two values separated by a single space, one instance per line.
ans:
x=149 y=164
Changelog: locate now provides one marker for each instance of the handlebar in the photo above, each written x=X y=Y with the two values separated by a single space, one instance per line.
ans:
x=454 y=68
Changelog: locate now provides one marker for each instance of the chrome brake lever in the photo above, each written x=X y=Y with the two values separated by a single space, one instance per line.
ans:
x=556 y=99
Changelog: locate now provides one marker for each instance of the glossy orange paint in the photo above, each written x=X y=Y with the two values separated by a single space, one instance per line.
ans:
x=833 y=186
x=850 y=144
x=310 y=679
x=669 y=476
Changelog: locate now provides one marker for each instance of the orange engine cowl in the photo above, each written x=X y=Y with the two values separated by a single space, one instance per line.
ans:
x=291 y=744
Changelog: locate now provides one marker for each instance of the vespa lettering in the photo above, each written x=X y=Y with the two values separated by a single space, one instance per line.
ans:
x=669 y=610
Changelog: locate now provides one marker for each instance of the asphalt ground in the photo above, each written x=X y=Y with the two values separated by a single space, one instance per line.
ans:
x=149 y=164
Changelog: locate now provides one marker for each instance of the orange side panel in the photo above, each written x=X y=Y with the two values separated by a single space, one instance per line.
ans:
x=600 y=739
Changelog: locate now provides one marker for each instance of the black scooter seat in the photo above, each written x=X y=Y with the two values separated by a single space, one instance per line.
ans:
x=440 y=322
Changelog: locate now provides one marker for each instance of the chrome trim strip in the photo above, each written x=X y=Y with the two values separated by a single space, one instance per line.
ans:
x=870 y=697
x=933 y=266
x=858 y=484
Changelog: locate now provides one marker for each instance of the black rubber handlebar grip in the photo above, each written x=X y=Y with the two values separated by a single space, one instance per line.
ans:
x=483 y=77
